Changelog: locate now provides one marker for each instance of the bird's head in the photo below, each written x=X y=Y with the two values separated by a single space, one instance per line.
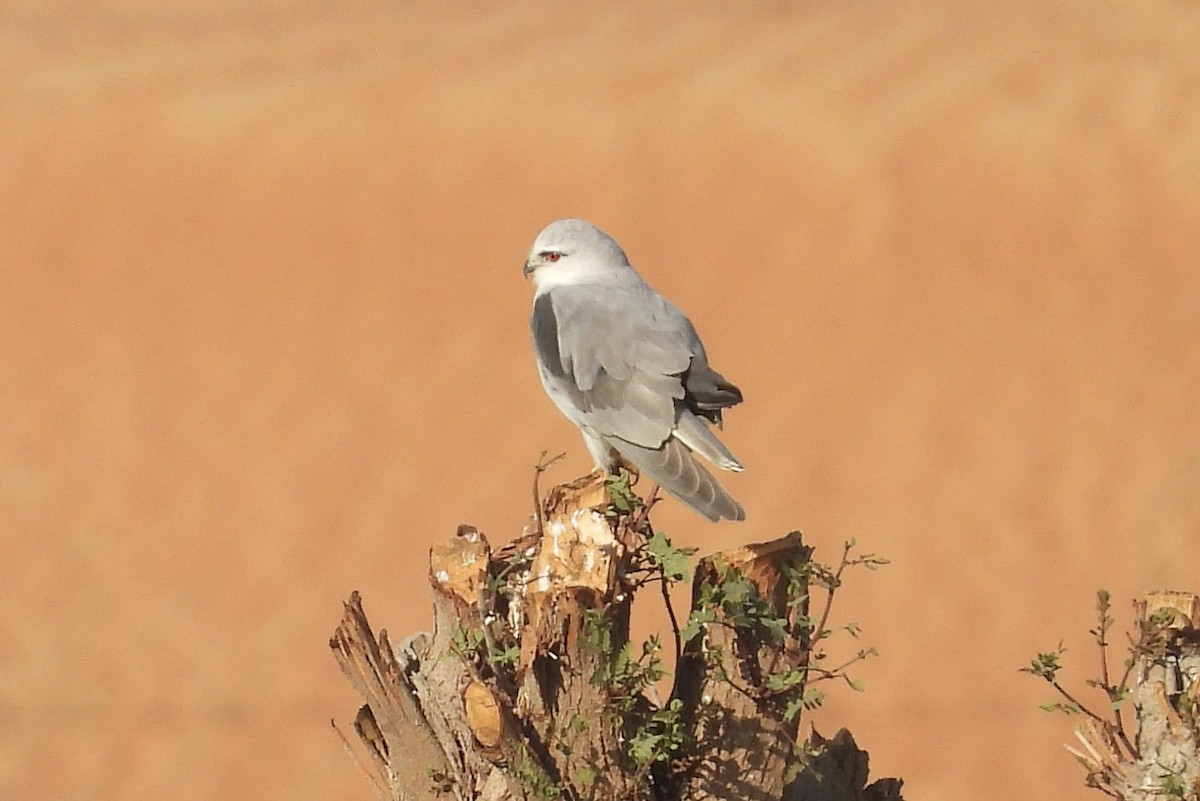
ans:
x=573 y=251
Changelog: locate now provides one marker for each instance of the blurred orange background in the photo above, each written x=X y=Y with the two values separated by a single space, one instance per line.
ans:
x=264 y=341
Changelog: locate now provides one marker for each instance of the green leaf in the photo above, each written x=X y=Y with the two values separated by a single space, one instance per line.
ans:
x=586 y=775
x=508 y=656
x=697 y=620
x=624 y=499
x=1056 y=706
x=1046 y=664
x=674 y=563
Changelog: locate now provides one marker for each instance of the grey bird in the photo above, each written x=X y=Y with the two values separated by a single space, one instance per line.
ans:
x=627 y=368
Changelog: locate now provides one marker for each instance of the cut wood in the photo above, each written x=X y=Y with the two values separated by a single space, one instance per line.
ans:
x=523 y=688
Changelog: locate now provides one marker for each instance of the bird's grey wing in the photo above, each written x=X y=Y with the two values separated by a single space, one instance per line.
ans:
x=617 y=362
x=615 y=357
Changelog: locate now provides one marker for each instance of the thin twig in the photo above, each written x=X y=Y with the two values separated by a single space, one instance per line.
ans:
x=1113 y=692
x=741 y=688
x=1134 y=650
x=1104 y=724
x=539 y=468
x=644 y=515
x=664 y=585
x=487 y=613
x=819 y=631
x=1102 y=641
x=1133 y=751
x=839 y=672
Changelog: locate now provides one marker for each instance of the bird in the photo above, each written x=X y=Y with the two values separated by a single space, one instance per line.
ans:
x=627 y=368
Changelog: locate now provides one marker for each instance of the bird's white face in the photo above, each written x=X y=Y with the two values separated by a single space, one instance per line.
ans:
x=569 y=251
x=543 y=257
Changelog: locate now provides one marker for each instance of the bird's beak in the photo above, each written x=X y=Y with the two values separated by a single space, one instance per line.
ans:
x=530 y=266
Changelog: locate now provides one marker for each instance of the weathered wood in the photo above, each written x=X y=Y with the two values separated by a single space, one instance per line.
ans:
x=391 y=727
x=839 y=773
x=512 y=695
x=445 y=679
x=747 y=748
x=574 y=581
x=1166 y=702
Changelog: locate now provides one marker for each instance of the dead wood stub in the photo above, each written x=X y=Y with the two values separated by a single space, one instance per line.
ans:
x=1166 y=702
x=747 y=746
x=395 y=738
x=512 y=696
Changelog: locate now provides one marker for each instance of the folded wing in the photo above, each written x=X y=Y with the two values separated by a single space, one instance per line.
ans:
x=625 y=365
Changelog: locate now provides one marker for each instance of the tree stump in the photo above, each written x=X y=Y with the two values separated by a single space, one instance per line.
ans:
x=1165 y=760
x=528 y=686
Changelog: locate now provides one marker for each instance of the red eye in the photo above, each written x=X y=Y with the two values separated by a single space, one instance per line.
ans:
x=551 y=256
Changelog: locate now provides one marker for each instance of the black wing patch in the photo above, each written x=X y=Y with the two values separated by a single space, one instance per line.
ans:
x=708 y=392
x=545 y=336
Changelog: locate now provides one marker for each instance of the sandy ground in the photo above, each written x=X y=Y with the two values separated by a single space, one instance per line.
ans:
x=264 y=341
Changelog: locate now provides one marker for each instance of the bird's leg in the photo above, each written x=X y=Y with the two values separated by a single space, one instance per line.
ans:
x=601 y=452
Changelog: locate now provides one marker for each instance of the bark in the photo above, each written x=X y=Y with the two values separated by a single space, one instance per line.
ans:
x=522 y=689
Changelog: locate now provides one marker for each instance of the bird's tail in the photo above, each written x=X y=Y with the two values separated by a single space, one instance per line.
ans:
x=675 y=469
x=694 y=433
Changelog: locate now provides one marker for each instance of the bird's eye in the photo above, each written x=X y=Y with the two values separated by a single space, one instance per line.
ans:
x=551 y=255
